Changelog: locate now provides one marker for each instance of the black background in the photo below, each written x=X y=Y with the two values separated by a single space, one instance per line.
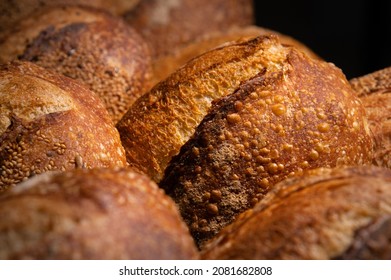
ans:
x=354 y=35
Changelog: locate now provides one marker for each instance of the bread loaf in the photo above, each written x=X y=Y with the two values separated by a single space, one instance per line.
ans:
x=325 y=214
x=50 y=122
x=168 y=25
x=167 y=64
x=15 y=10
x=275 y=113
x=91 y=214
x=88 y=45
x=375 y=93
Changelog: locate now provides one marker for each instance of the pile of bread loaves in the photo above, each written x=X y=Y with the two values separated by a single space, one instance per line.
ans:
x=153 y=129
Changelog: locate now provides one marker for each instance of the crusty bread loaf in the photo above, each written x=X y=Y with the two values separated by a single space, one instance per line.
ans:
x=375 y=93
x=171 y=24
x=88 y=45
x=12 y=11
x=275 y=113
x=91 y=214
x=325 y=214
x=167 y=64
x=298 y=114
x=50 y=122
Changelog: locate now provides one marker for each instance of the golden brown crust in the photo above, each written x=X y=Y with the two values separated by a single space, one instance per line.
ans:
x=11 y=11
x=162 y=120
x=375 y=93
x=167 y=25
x=91 y=214
x=299 y=115
x=316 y=216
x=166 y=64
x=90 y=46
x=50 y=122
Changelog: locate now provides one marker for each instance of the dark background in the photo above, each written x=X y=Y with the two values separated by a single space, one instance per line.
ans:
x=354 y=35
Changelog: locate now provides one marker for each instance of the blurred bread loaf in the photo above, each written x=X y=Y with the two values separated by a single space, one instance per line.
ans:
x=85 y=44
x=50 y=122
x=91 y=214
x=11 y=11
x=172 y=24
x=325 y=214
x=375 y=93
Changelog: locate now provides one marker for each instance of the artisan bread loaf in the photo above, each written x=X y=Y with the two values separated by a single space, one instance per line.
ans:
x=50 y=122
x=91 y=214
x=167 y=64
x=375 y=93
x=233 y=122
x=12 y=11
x=168 y=25
x=88 y=45
x=341 y=213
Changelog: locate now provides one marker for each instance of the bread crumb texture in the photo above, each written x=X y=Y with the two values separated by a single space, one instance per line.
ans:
x=92 y=214
x=50 y=122
x=340 y=213
x=294 y=114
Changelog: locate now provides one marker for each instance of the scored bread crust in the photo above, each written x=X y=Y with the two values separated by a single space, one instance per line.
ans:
x=92 y=214
x=375 y=93
x=88 y=45
x=50 y=122
x=168 y=25
x=162 y=120
x=167 y=64
x=325 y=214
x=298 y=114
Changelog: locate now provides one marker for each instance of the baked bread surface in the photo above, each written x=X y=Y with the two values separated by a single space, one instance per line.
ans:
x=92 y=214
x=50 y=122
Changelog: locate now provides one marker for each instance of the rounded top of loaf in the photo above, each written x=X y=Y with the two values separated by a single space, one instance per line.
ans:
x=92 y=214
x=167 y=64
x=51 y=122
x=324 y=214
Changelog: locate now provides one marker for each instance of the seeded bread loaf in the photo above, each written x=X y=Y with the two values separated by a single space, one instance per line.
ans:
x=325 y=214
x=11 y=11
x=171 y=24
x=375 y=93
x=50 y=122
x=91 y=214
x=167 y=64
x=233 y=122
x=86 y=44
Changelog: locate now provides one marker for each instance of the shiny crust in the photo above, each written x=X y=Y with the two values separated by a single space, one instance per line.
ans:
x=165 y=65
x=162 y=120
x=90 y=46
x=91 y=214
x=298 y=114
x=50 y=122
x=375 y=93
x=171 y=24
x=11 y=11
x=321 y=215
